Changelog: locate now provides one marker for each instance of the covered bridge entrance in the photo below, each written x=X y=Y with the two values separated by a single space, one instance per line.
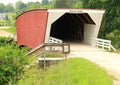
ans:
x=70 y=26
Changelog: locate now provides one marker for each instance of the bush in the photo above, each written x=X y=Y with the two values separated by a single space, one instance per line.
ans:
x=115 y=37
x=12 y=61
x=3 y=40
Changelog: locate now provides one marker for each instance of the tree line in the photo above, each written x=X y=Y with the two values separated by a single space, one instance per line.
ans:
x=6 y=8
x=20 y=6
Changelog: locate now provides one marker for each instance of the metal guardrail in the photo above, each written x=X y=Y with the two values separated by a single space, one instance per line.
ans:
x=102 y=43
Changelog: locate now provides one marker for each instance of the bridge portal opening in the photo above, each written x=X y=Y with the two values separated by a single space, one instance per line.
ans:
x=70 y=26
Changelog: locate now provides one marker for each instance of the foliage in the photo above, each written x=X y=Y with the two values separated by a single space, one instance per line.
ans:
x=46 y=6
x=2 y=7
x=33 y=75
x=3 y=41
x=12 y=61
x=32 y=5
x=112 y=18
x=93 y=4
x=115 y=36
x=45 y=2
x=64 y=3
x=12 y=19
x=6 y=8
x=9 y=8
x=78 y=4
x=19 y=6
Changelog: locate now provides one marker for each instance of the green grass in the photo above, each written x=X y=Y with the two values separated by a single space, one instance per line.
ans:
x=76 y=71
x=53 y=55
x=11 y=30
x=31 y=77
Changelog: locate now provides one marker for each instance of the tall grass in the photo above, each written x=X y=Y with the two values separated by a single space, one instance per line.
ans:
x=75 y=71
x=11 y=30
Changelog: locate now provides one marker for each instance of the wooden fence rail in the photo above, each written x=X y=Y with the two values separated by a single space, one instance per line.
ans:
x=102 y=43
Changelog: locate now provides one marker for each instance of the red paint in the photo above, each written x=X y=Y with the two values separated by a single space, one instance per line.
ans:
x=31 y=27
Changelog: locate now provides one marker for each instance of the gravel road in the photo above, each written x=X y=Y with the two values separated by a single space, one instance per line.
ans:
x=5 y=34
x=108 y=60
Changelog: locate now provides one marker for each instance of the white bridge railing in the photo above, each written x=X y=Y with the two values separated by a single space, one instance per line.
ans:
x=55 y=40
x=102 y=43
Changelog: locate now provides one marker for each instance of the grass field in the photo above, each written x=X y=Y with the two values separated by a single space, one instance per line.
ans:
x=11 y=30
x=76 y=71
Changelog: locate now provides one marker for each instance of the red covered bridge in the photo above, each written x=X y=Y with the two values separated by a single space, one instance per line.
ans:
x=35 y=27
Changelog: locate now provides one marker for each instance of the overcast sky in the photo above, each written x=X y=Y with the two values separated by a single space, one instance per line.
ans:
x=14 y=1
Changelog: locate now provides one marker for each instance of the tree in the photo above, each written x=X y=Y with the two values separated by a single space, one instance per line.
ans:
x=9 y=8
x=12 y=20
x=20 y=6
x=78 y=4
x=2 y=8
x=112 y=19
x=93 y=3
x=45 y=2
x=64 y=3
x=32 y=5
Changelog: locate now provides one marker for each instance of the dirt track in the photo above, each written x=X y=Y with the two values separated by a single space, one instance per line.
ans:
x=109 y=61
x=5 y=34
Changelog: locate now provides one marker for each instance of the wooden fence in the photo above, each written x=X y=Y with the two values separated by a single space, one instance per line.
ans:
x=102 y=43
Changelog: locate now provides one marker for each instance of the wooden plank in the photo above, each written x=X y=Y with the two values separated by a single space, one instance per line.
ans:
x=50 y=59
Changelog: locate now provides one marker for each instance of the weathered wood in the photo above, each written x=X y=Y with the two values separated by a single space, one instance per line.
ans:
x=42 y=47
x=41 y=51
x=50 y=59
x=36 y=50
x=45 y=62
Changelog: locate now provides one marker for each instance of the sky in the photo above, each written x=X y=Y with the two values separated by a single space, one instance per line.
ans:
x=14 y=1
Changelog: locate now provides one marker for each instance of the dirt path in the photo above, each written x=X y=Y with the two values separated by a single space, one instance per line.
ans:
x=5 y=34
x=109 y=61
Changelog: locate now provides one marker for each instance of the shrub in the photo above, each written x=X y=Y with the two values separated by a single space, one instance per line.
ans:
x=115 y=37
x=3 y=40
x=12 y=61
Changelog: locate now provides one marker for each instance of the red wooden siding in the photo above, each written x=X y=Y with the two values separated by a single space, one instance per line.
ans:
x=31 y=27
